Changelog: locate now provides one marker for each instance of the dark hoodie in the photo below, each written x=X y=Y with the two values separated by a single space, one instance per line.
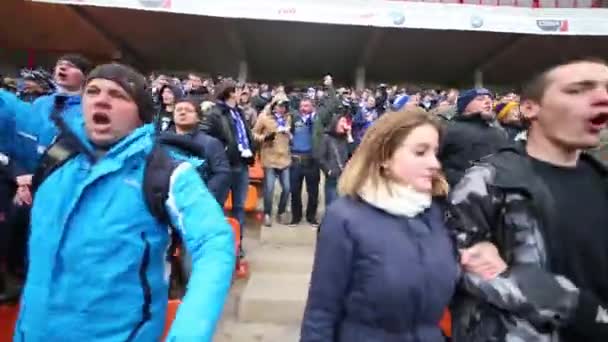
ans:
x=334 y=151
x=164 y=118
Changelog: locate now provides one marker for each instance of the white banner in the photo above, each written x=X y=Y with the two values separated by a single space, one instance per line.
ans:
x=384 y=13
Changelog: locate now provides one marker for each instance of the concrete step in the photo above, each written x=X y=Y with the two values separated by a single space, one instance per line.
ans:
x=233 y=331
x=274 y=298
x=280 y=259
x=301 y=235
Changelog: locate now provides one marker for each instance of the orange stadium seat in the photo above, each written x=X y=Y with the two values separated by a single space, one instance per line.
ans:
x=236 y=228
x=8 y=318
x=251 y=203
x=446 y=324
x=256 y=171
x=174 y=303
x=170 y=316
x=242 y=266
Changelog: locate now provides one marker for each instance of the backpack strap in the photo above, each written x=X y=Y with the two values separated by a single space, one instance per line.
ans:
x=156 y=186
x=157 y=178
x=182 y=142
x=65 y=146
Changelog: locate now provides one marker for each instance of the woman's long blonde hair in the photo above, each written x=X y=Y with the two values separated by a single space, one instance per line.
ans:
x=379 y=144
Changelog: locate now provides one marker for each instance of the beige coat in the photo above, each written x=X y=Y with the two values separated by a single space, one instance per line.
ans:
x=275 y=154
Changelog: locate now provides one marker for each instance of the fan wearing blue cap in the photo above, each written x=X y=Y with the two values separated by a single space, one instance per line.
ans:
x=471 y=134
x=476 y=102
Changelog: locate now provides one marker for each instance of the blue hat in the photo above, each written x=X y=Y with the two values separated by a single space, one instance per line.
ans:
x=400 y=102
x=469 y=95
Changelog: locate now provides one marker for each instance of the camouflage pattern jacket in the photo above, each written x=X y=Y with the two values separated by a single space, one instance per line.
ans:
x=502 y=201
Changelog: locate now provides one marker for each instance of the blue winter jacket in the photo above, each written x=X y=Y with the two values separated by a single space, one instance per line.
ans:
x=35 y=129
x=379 y=277
x=7 y=125
x=11 y=108
x=98 y=257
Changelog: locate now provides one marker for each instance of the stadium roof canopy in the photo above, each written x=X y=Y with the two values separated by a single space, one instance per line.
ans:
x=276 y=50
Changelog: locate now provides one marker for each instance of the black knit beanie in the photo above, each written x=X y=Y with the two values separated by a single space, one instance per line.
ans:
x=78 y=61
x=132 y=82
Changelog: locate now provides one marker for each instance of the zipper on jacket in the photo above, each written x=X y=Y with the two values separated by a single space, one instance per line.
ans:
x=145 y=286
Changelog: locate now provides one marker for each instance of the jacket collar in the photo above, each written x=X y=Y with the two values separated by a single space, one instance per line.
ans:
x=475 y=117
x=514 y=169
x=71 y=99
x=130 y=145
x=139 y=140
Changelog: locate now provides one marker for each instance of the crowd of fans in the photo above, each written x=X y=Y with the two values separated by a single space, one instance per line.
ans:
x=273 y=120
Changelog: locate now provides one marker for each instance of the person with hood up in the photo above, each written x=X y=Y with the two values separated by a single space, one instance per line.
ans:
x=333 y=153
x=471 y=134
x=167 y=97
x=272 y=132
x=385 y=268
x=97 y=255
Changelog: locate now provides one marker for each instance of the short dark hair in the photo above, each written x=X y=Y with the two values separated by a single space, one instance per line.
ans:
x=306 y=99
x=194 y=102
x=534 y=89
x=224 y=89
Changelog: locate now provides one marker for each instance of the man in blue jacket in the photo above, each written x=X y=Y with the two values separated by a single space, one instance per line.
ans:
x=35 y=129
x=8 y=188
x=97 y=254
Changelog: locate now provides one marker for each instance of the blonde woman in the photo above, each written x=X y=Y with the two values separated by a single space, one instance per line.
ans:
x=385 y=268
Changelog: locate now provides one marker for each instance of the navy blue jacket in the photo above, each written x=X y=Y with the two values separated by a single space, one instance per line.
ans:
x=218 y=167
x=379 y=277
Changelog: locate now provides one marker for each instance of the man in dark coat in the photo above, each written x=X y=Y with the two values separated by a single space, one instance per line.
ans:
x=215 y=168
x=471 y=134
x=227 y=123
x=543 y=208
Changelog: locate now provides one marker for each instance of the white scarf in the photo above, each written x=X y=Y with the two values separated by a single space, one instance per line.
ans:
x=400 y=201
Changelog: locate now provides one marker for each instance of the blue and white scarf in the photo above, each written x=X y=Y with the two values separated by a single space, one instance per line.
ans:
x=281 y=123
x=241 y=132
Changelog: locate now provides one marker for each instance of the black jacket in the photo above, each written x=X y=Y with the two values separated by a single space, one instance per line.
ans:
x=219 y=124
x=467 y=139
x=502 y=200
x=8 y=186
x=513 y=130
x=379 y=277
x=217 y=167
x=333 y=153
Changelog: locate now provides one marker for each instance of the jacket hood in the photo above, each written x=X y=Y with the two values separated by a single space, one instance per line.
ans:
x=176 y=92
x=471 y=117
x=513 y=170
